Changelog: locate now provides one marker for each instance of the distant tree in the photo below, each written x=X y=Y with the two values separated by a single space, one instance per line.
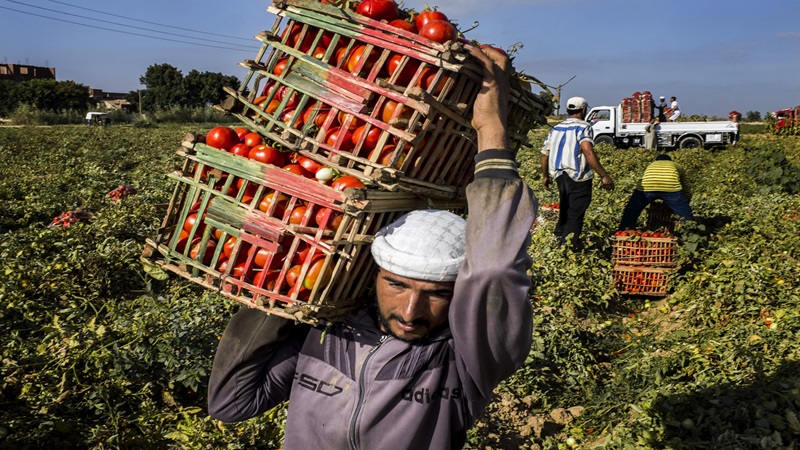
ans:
x=7 y=101
x=205 y=89
x=48 y=95
x=752 y=116
x=163 y=88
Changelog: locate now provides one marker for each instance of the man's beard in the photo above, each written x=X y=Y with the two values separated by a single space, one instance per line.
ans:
x=385 y=321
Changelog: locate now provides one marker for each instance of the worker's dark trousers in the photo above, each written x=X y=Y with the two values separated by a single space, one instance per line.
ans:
x=574 y=198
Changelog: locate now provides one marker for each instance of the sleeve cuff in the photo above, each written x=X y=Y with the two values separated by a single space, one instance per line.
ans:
x=496 y=163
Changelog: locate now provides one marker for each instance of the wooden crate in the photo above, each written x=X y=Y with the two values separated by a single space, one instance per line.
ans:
x=638 y=280
x=644 y=251
x=240 y=239
x=420 y=112
x=660 y=217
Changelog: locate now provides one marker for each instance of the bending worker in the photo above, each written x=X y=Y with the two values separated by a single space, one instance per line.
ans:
x=662 y=180
x=450 y=319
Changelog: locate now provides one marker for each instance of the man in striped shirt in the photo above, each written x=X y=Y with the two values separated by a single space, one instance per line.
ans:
x=568 y=157
x=662 y=180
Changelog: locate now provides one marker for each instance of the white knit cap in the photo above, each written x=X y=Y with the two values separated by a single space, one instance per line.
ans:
x=425 y=244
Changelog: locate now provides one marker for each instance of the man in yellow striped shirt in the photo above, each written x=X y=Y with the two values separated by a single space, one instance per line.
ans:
x=662 y=180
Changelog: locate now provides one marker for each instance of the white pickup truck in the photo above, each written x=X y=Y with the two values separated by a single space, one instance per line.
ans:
x=609 y=129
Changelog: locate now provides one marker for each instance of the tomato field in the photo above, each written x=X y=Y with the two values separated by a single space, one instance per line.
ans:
x=98 y=354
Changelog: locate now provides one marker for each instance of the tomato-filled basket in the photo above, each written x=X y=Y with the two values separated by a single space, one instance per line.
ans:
x=380 y=103
x=271 y=239
x=638 y=280
x=644 y=249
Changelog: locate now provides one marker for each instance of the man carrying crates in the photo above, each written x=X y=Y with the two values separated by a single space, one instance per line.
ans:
x=450 y=320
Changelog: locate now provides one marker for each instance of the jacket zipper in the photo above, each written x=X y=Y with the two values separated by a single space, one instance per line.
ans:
x=357 y=410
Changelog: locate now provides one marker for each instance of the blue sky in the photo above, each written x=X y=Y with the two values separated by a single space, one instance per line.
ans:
x=714 y=56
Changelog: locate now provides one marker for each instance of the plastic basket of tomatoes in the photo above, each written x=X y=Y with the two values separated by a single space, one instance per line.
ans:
x=290 y=242
x=372 y=93
x=634 y=280
x=644 y=248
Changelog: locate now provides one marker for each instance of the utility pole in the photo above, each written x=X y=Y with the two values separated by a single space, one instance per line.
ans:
x=139 y=91
x=558 y=95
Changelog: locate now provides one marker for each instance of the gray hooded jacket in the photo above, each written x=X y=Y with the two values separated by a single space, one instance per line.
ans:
x=351 y=386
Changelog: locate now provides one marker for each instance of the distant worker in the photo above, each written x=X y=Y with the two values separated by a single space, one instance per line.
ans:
x=660 y=107
x=650 y=134
x=676 y=110
x=568 y=157
x=662 y=180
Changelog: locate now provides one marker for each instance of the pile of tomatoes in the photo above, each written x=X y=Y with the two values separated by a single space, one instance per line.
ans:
x=67 y=218
x=248 y=144
x=121 y=192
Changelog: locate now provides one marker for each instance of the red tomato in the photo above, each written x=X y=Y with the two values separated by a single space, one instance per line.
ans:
x=318 y=112
x=241 y=150
x=297 y=169
x=280 y=66
x=404 y=25
x=426 y=16
x=353 y=122
x=309 y=164
x=356 y=56
x=293 y=274
x=272 y=106
x=389 y=108
x=294 y=97
x=345 y=141
x=407 y=73
x=319 y=52
x=427 y=78
x=371 y=137
x=294 y=37
x=222 y=138
x=298 y=214
x=267 y=155
x=280 y=204
x=227 y=247
x=379 y=9
x=347 y=181
x=339 y=59
x=242 y=131
x=189 y=223
x=253 y=139
x=288 y=114
x=385 y=157
x=207 y=252
x=439 y=31
x=262 y=256
x=183 y=238
x=266 y=279
x=329 y=217
x=315 y=272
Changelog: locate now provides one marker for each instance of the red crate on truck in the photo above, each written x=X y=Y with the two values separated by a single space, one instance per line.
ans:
x=382 y=104
x=270 y=239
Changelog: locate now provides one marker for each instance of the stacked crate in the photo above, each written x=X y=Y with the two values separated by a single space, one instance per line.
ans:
x=643 y=262
x=297 y=247
x=637 y=108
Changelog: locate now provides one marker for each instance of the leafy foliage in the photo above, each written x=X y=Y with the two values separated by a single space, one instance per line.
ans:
x=42 y=94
